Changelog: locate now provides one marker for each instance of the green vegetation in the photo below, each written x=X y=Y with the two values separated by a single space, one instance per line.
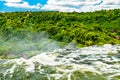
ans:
x=83 y=29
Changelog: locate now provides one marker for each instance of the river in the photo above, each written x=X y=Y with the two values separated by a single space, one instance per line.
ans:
x=87 y=63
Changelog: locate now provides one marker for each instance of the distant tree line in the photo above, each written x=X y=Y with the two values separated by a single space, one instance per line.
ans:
x=84 y=29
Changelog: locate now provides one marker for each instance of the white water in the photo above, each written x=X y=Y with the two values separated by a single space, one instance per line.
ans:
x=102 y=60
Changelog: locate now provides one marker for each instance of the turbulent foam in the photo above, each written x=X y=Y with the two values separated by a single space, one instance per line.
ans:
x=94 y=62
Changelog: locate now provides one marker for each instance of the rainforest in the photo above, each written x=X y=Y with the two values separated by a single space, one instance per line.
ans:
x=53 y=45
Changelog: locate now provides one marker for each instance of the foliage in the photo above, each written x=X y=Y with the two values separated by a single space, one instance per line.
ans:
x=85 y=29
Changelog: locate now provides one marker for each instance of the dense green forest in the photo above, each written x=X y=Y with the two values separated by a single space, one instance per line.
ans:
x=83 y=29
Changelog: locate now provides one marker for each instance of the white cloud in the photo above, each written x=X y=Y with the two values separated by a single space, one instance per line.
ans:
x=2 y=11
x=80 y=5
x=13 y=1
x=113 y=2
x=22 y=5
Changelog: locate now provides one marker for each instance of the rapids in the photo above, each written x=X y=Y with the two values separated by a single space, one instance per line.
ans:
x=87 y=63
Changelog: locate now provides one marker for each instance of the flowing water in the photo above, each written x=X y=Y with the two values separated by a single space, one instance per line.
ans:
x=88 y=63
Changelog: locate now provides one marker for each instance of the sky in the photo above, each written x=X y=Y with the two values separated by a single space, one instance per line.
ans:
x=58 y=5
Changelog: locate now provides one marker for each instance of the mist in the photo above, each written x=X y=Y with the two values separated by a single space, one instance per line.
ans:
x=28 y=46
